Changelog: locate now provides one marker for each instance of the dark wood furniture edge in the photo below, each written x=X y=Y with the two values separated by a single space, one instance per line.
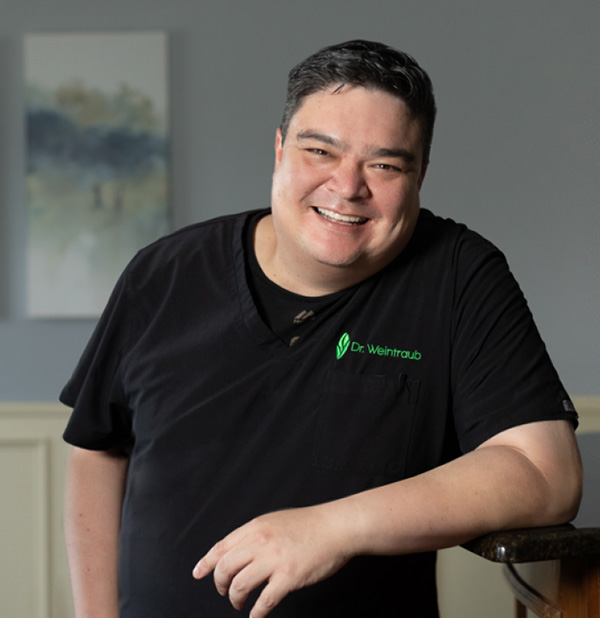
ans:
x=535 y=544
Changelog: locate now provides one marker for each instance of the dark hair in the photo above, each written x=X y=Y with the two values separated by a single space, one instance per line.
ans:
x=367 y=64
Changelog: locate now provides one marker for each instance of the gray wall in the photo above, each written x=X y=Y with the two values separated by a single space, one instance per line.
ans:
x=515 y=154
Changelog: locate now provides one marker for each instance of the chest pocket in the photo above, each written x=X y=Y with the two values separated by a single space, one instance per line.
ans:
x=364 y=423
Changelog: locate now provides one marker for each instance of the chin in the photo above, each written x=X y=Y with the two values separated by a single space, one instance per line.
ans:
x=347 y=261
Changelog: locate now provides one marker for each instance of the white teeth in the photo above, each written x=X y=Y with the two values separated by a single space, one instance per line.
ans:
x=334 y=216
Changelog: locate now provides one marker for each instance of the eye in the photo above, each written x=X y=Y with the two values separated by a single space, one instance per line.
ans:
x=318 y=151
x=386 y=167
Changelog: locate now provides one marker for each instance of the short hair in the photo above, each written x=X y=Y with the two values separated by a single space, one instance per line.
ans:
x=368 y=64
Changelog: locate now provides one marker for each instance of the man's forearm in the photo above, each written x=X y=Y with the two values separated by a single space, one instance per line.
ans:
x=490 y=489
x=527 y=476
x=93 y=499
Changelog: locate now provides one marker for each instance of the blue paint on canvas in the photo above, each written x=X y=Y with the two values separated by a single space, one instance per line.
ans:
x=97 y=191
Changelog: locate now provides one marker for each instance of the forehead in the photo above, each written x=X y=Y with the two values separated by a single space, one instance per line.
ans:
x=358 y=113
x=343 y=95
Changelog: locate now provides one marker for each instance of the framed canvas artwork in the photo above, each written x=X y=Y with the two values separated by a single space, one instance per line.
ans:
x=97 y=144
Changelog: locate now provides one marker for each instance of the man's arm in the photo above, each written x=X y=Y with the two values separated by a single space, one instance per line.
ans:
x=95 y=486
x=526 y=476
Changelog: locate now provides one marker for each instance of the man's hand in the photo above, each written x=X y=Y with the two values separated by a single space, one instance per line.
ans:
x=288 y=550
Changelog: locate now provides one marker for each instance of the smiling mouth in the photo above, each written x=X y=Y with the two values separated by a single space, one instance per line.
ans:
x=335 y=217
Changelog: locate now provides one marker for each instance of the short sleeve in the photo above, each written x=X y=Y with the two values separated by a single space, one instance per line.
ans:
x=502 y=374
x=100 y=419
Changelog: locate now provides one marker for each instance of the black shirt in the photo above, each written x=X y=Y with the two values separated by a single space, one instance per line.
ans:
x=225 y=421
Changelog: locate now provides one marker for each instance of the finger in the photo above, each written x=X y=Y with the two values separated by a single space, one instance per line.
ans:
x=273 y=593
x=246 y=580
x=229 y=566
x=210 y=560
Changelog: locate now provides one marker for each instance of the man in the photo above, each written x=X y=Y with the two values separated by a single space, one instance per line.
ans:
x=318 y=396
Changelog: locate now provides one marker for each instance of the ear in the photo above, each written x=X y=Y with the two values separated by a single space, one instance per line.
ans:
x=278 y=148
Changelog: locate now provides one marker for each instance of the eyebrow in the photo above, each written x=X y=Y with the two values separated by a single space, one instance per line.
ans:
x=395 y=153
x=320 y=137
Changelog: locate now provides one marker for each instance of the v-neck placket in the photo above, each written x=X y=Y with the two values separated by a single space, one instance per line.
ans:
x=249 y=315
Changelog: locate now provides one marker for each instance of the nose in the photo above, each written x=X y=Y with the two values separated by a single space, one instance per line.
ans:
x=349 y=182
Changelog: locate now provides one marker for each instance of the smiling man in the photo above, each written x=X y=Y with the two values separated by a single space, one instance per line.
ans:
x=345 y=194
x=306 y=402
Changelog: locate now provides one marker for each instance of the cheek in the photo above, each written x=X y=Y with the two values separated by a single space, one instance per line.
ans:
x=400 y=204
x=296 y=183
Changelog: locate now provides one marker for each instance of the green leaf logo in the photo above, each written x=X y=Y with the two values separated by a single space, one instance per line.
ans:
x=342 y=346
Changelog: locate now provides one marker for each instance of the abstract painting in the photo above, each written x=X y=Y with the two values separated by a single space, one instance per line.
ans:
x=97 y=173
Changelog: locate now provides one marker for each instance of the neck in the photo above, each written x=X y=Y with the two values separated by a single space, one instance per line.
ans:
x=296 y=276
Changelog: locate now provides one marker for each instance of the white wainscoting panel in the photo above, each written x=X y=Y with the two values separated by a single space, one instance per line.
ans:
x=34 y=581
